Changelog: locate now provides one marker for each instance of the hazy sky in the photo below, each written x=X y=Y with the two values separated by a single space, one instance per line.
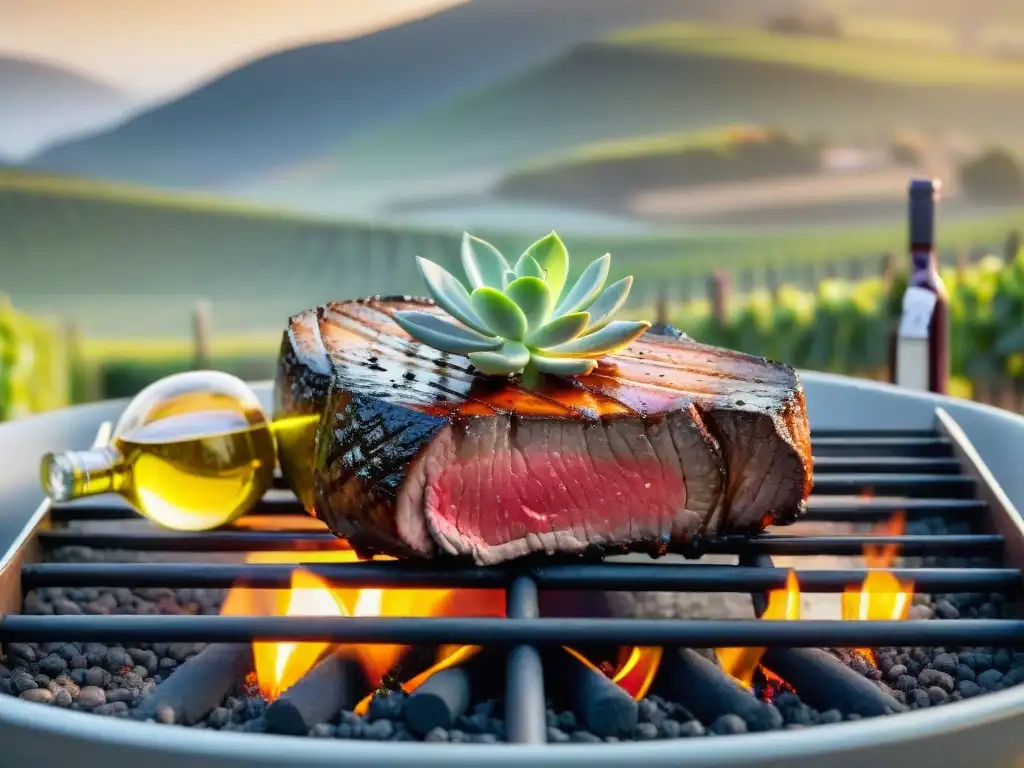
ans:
x=155 y=47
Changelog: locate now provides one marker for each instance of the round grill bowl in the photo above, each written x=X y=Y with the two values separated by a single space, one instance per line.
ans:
x=986 y=729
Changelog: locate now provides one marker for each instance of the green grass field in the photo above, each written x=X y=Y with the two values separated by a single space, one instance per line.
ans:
x=873 y=60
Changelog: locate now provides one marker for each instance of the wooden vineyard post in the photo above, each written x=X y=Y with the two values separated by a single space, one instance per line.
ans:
x=922 y=340
x=718 y=293
x=661 y=306
x=201 y=356
x=1011 y=245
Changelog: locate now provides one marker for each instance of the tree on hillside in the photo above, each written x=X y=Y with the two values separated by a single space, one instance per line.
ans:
x=994 y=176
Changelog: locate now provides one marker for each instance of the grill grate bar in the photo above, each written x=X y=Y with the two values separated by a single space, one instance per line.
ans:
x=901 y=484
x=514 y=632
x=886 y=446
x=886 y=464
x=319 y=541
x=524 y=672
x=595 y=575
x=818 y=508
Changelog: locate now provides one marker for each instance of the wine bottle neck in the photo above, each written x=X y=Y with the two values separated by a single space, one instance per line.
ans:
x=74 y=474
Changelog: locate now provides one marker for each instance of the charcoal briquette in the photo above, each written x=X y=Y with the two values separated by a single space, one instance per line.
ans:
x=968 y=689
x=933 y=677
x=63 y=698
x=937 y=695
x=944 y=609
x=557 y=735
x=831 y=716
x=92 y=696
x=257 y=725
x=585 y=737
x=457 y=736
x=40 y=695
x=387 y=706
x=645 y=732
x=727 y=724
x=918 y=698
x=52 y=665
x=906 y=683
x=22 y=681
x=435 y=734
x=649 y=712
x=945 y=662
x=896 y=671
x=97 y=676
x=485 y=738
x=113 y=708
x=691 y=729
x=125 y=695
x=379 y=730
x=218 y=717
x=22 y=652
x=323 y=731
x=567 y=721
x=671 y=729
x=990 y=679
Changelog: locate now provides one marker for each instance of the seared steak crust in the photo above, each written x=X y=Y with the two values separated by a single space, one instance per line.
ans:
x=416 y=454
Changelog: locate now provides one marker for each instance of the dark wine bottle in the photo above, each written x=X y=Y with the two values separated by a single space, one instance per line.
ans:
x=922 y=339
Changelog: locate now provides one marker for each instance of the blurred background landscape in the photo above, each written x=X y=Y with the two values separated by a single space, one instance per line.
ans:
x=176 y=179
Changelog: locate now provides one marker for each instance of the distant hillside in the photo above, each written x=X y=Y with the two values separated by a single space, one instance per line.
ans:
x=41 y=102
x=299 y=103
x=704 y=77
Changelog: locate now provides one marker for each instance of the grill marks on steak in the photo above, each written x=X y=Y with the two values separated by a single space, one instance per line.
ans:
x=416 y=454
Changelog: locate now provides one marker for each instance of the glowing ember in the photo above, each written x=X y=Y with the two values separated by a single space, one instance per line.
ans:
x=881 y=596
x=783 y=605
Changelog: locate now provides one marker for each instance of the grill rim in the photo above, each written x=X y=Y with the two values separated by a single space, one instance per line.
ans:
x=994 y=717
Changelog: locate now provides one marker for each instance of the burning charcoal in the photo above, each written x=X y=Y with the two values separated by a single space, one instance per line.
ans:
x=334 y=684
x=702 y=687
x=600 y=705
x=826 y=683
x=200 y=685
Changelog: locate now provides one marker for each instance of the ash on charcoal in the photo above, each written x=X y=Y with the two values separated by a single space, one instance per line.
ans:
x=113 y=680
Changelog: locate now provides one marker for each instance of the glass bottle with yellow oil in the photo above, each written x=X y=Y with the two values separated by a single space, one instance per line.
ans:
x=192 y=452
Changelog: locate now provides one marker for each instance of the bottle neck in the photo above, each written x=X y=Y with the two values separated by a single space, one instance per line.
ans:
x=74 y=474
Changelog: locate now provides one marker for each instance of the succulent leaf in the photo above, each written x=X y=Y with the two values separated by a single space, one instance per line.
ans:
x=511 y=358
x=562 y=366
x=533 y=296
x=483 y=263
x=440 y=334
x=558 y=331
x=450 y=294
x=609 y=339
x=550 y=253
x=501 y=315
x=587 y=287
x=608 y=303
x=527 y=266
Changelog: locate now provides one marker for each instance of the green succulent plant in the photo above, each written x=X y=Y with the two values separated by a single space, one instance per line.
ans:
x=524 y=318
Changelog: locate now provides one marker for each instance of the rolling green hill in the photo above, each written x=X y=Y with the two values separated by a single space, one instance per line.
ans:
x=683 y=78
x=128 y=262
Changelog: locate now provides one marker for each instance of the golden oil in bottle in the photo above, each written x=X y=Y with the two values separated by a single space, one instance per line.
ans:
x=192 y=452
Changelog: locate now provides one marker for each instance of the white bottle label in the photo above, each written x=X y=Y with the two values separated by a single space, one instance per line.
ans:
x=918 y=306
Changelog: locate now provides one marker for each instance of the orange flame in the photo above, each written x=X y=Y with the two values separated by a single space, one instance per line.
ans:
x=783 y=605
x=881 y=596
x=635 y=674
x=279 y=665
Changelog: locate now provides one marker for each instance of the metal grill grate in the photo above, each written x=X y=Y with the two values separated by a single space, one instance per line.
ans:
x=919 y=473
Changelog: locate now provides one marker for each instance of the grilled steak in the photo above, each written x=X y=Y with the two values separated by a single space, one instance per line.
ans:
x=416 y=454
